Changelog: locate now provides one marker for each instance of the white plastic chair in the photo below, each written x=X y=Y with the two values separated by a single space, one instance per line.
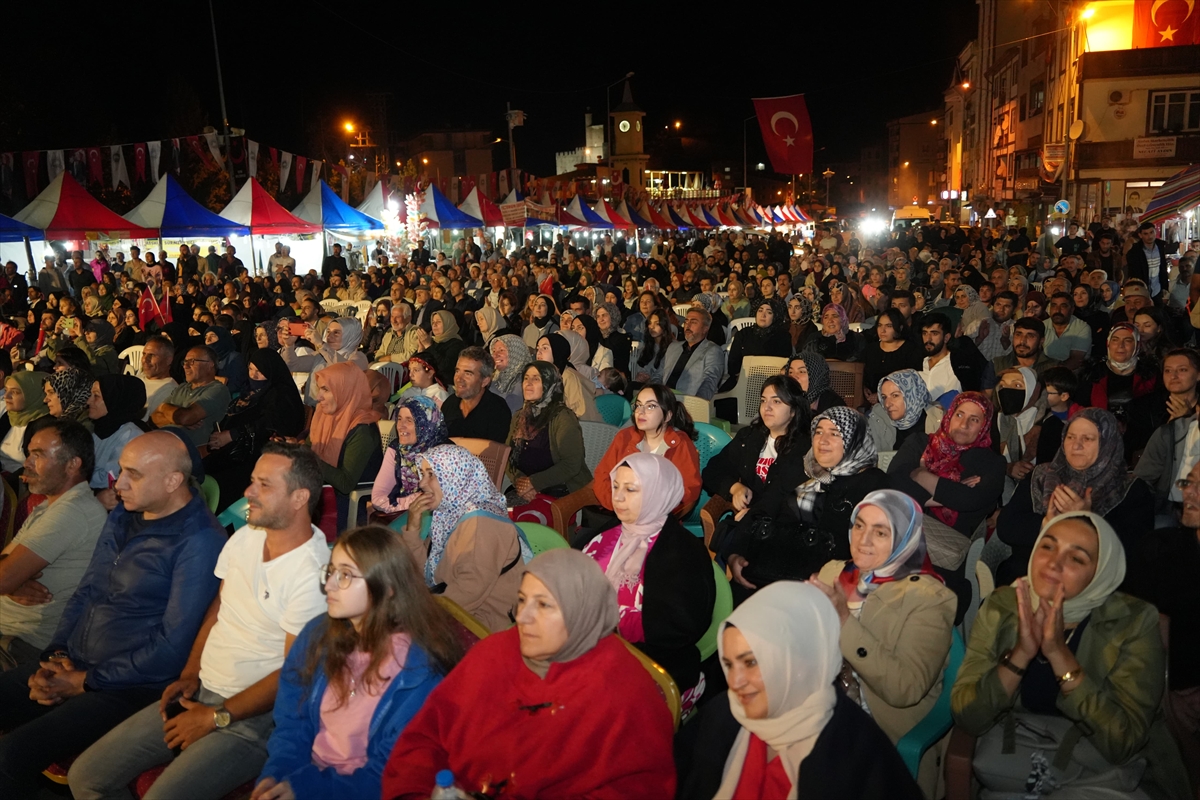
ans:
x=363 y=307
x=739 y=323
x=597 y=436
x=393 y=371
x=331 y=304
x=133 y=357
x=301 y=379
x=681 y=309
x=748 y=390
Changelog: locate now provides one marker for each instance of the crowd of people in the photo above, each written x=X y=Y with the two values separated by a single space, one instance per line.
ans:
x=1042 y=398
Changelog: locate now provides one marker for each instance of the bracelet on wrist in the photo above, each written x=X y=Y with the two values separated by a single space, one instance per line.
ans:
x=1006 y=661
x=1069 y=676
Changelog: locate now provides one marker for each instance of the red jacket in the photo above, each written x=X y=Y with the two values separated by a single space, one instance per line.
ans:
x=681 y=451
x=594 y=727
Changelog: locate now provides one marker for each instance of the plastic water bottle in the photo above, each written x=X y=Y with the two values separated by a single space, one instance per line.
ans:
x=446 y=789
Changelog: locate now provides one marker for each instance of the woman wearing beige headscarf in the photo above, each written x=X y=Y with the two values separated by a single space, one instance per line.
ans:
x=783 y=731
x=491 y=324
x=553 y=707
x=443 y=343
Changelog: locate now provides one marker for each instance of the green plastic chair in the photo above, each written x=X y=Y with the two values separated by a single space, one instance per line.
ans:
x=399 y=522
x=211 y=493
x=710 y=440
x=722 y=608
x=614 y=408
x=928 y=731
x=235 y=515
x=541 y=538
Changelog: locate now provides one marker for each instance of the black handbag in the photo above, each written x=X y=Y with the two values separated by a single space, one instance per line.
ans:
x=779 y=551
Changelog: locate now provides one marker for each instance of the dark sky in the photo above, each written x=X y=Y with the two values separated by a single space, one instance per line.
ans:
x=78 y=76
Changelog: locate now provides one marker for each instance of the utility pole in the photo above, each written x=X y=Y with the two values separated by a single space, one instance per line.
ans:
x=828 y=173
x=224 y=114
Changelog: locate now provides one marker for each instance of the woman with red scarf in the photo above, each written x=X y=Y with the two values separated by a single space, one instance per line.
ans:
x=896 y=617
x=954 y=474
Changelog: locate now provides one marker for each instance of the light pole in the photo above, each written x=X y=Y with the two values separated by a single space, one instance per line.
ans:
x=608 y=117
x=745 y=161
x=221 y=89
x=827 y=174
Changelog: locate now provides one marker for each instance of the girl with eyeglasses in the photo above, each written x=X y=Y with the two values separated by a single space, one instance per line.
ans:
x=356 y=675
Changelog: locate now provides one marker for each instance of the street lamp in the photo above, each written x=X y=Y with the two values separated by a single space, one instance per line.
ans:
x=827 y=174
x=348 y=126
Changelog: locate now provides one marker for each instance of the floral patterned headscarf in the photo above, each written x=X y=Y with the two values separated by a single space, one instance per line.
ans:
x=431 y=431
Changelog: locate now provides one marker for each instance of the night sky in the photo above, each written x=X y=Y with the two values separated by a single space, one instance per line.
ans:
x=79 y=76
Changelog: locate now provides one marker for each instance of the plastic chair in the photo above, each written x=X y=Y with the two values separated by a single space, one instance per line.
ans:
x=363 y=307
x=748 y=390
x=969 y=571
x=721 y=611
x=235 y=515
x=846 y=378
x=666 y=684
x=597 y=436
x=463 y=617
x=697 y=407
x=395 y=373
x=681 y=309
x=885 y=459
x=741 y=322
x=614 y=408
x=133 y=357
x=541 y=538
x=710 y=440
x=211 y=492
x=938 y=721
x=493 y=455
x=331 y=304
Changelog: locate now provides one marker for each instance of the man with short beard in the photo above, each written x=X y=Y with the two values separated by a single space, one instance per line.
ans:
x=1027 y=336
x=936 y=369
x=1067 y=339
x=994 y=338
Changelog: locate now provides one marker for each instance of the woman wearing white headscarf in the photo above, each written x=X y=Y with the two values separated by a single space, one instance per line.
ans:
x=660 y=570
x=1017 y=399
x=339 y=343
x=896 y=616
x=783 y=730
x=1064 y=653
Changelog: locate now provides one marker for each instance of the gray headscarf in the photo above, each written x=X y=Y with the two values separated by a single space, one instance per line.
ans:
x=508 y=379
x=586 y=598
x=859 y=453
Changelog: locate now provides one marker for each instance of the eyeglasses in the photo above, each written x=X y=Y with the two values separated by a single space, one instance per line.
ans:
x=651 y=407
x=343 y=577
x=187 y=362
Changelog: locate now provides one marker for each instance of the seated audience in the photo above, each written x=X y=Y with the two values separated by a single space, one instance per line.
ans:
x=218 y=712
x=443 y=343
x=1018 y=397
x=357 y=674
x=954 y=474
x=271 y=407
x=115 y=407
x=768 y=336
x=511 y=355
x=652 y=353
x=472 y=411
x=839 y=470
x=24 y=399
x=904 y=408
x=1068 y=338
x=344 y=434
x=67 y=391
x=158 y=355
x=490 y=324
x=1087 y=473
x=125 y=633
x=339 y=344
x=490 y=720
x=1173 y=445
x=695 y=365
x=547 y=446
x=44 y=563
x=1060 y=389
x=783 y=730
x=199 y=404
x=1127 y=385
x=419 y=427
x=937 y=368
x=801 y=328
x=97 y=344
x=400 y=342
x=896 y=617
x=474 y=554
x=1065 y=653
x=810 y=370
x=579 y=393
x=658 y=569
x=543 y=322
x=612 y=338
x=231 y=367
x=889 y=351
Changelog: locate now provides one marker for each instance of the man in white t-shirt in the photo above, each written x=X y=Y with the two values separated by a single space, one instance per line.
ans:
x=936 y=369
x=219 y=711
x=157 y=356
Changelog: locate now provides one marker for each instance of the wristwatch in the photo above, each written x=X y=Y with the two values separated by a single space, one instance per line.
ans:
x=221 y=717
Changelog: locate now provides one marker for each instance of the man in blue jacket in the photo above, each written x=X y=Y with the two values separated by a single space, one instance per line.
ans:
x=127 y=631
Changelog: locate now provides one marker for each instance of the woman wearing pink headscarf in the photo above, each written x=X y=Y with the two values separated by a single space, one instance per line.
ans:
x=659 y=570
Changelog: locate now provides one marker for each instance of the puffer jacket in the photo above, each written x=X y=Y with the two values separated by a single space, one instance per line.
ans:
x=135 y=615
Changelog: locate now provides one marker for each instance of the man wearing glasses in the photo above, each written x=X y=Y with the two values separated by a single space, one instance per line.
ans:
x=198 y=404
x=218 y=711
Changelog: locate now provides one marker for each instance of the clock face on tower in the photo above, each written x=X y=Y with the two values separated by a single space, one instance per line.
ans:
x=624 y=126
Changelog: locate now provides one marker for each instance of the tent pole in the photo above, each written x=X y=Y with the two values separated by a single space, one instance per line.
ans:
x=29 y=255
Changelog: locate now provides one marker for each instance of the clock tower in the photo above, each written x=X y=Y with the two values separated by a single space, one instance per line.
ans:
x=627 y=156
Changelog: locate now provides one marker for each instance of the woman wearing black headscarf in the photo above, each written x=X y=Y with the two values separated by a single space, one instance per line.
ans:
x=270 y=407
x=231 y=367
x=578 y=393
x=116 y=407
x=769 y=336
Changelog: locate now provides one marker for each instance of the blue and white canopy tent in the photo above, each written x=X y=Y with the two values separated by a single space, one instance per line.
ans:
x=177 y=216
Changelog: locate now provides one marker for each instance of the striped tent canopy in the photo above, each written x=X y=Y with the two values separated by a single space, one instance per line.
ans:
x=1176 y=196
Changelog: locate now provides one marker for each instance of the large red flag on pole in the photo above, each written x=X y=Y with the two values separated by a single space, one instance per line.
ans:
x=786 y=132
x=1165 y=23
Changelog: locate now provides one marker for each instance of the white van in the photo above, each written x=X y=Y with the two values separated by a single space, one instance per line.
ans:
x=906 y=217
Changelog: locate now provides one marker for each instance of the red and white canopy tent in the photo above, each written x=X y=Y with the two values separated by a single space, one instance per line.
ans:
x=253 y=207
x=65 y=210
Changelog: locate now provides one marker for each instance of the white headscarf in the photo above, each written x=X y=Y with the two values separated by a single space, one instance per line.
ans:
x=579 y=356
x=1110 y=567
x=352 y=334
x=662 y=489
x=794 y=632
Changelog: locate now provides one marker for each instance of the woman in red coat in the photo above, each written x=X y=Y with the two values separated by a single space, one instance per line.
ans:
x=662 y=426
x=554 y=707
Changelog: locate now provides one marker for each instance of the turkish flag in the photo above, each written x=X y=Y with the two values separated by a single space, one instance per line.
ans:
x=95 y=165
x=150 y=310
x=1164 y=23
x=786 y=132
x=139 y=161
x=299 y=162
x=31 y=159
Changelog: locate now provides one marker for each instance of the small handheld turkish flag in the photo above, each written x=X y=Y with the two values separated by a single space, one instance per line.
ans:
x=786 y=132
